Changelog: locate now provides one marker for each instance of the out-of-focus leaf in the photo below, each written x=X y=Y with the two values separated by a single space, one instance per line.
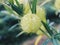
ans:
x=54 y=30
x=57 y=36
x=17 y=3
x=8 y=8
x=11 y=1
x=55 y=42
x=46 y=41
x=1 y=7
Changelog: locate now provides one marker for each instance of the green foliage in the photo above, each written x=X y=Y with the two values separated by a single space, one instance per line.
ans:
x=9 y=29
x=16 y=9
x=55 y=36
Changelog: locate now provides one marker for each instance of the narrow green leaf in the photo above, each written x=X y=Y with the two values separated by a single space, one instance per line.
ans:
x=10 y=10
x=20 y=6
x=44 y=33
x=34 y=2
x=47 y=28
x=17 y=9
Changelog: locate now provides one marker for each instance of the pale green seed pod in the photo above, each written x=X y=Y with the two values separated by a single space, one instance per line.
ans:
x=30 y=23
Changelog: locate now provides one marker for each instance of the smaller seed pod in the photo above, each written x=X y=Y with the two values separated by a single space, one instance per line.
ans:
x=57 y=4
x=26 y=6
x=30 y=23
x=40 y=12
